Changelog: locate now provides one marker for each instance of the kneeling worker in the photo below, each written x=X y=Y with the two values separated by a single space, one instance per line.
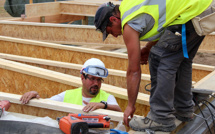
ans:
x=89 y=95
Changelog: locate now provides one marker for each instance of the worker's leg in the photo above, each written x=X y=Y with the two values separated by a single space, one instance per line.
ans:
x=163 y=68
x=183 y=96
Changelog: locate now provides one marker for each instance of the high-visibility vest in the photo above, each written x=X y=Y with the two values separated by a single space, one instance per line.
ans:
x=74 y=96
x=164 y=12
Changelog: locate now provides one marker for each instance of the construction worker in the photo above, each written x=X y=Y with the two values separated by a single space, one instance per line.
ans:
x=89 y=95
x=166 y=25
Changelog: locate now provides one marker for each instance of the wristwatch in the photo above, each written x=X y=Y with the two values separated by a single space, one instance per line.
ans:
x=104 y=102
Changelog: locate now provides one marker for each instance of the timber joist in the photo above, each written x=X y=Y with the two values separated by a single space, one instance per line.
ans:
x=18 y=78
x=53 y=109
x=77 y=55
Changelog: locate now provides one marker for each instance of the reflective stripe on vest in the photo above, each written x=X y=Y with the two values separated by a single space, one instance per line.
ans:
x=74 y=96
x=164 y=12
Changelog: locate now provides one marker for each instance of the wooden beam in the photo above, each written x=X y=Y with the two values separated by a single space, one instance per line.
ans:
x=19 y=78
x=53 y=109
x=72 y=54
x=207 y=82
x=42 y=9
x=59 y=18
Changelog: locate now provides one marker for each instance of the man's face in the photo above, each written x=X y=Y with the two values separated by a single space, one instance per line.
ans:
x=115 y=29
x=91 y=85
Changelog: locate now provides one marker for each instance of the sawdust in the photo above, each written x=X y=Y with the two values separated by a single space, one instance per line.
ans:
x=205 y=58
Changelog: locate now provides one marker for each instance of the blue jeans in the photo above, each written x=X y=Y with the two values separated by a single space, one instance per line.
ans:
x=171 y=75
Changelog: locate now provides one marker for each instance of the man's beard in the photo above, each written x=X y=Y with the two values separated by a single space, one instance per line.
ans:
x=92 y=90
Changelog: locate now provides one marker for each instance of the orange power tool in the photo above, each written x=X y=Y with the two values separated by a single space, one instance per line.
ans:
x=79 y=123
x=72 y=125
x=94 y=121
x=4 y=106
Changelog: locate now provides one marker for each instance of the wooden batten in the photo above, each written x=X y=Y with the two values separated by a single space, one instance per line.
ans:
x=73 y=54
x=53 y=109
x=59 y=18
x=207 y=82
x=19 y=78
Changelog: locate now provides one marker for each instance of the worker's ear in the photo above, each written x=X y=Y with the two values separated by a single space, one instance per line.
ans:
x=113 y=18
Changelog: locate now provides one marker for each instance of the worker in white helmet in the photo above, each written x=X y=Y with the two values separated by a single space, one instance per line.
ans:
x=89 y=95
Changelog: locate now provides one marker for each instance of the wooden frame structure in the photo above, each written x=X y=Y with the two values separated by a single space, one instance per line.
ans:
x=58 y=12
x=71 y=54
x=19 y=78
x=115 y=77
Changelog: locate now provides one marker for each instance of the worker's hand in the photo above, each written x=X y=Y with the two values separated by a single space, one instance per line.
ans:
x=29 y=95
x=92 y=106
x=128 y=114
x=144 y=55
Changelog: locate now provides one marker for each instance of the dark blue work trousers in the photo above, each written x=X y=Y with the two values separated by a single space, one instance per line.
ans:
x=171 y=74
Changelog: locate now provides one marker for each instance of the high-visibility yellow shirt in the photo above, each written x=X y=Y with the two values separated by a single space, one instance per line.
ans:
x=164 y=13
x=74 y=96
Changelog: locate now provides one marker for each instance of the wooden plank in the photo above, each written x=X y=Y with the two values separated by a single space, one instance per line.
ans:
x=72 y=54
x=59 y=18
x=207 y=82
x=53 y=109
x=42 y=9
x=19 y=78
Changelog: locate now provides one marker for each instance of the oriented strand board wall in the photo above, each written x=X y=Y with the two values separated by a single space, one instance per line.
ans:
x=42 y=9
x=18 y=83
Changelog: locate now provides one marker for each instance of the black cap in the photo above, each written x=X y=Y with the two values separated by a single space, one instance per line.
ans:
x=102 y=16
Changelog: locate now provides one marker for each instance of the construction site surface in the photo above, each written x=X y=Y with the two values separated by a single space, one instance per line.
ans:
x=44 y=51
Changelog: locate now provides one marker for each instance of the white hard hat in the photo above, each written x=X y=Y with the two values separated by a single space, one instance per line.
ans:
x=94 y=67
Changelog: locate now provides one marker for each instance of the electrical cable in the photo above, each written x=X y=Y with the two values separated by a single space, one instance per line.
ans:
x=146 y=88
x=202 y=114
x=210 y=113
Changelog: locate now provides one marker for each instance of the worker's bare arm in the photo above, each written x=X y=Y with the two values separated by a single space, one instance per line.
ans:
x=94 y=105
x=131 y=39
x=29 y=95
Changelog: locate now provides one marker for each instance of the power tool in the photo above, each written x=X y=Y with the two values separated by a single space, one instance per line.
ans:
x=4 y=106
x=72 y=125
x=79 y=123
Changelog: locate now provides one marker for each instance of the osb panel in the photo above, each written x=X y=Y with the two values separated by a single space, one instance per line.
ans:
x=140 y=109
x=63 y=55
x=56 y=34
x=79 y=9
x=60 y=18
x=208 y=43
x=43 y=9
x=17 y=83
x=197 y=75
